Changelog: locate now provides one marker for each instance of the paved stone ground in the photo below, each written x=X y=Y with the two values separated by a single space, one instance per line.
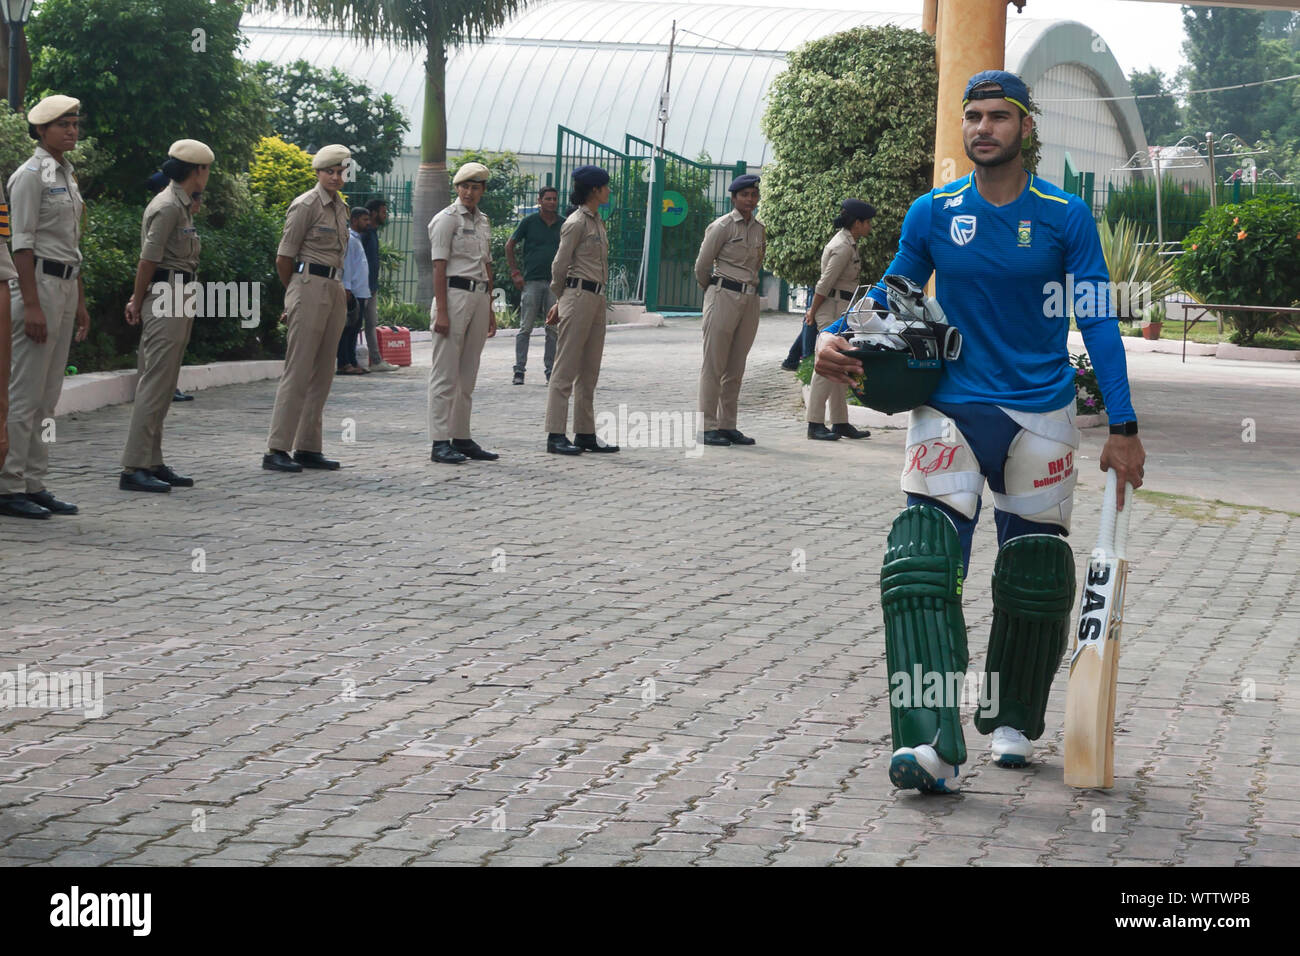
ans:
x=649 y=658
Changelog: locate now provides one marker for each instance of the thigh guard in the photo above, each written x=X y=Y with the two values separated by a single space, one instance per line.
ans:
x=1040 y=469
x=939 y=462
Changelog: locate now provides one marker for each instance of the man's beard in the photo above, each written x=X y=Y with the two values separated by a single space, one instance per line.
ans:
x=1012 y=152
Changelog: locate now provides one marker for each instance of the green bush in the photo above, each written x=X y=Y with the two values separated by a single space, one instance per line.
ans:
x=1181 y=211
x=279 y=173
x=1246 y=254
x=393 y=311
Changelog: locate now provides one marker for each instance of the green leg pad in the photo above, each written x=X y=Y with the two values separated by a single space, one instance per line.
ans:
x=925 y=633
x=1033 y=592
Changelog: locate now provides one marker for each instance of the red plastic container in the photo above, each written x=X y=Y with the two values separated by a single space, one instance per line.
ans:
x=394 y=344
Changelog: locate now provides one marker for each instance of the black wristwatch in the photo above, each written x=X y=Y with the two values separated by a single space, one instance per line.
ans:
x=1124 y=428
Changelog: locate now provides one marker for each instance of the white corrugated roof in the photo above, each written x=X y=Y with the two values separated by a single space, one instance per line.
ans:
x=597 y=66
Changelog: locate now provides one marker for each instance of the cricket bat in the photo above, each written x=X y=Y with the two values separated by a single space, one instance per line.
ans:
x=1094 y=665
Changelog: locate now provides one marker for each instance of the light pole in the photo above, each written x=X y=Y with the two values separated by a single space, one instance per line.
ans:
x=16 y=14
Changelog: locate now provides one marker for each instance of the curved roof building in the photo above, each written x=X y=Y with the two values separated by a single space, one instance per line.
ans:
x=597 y=66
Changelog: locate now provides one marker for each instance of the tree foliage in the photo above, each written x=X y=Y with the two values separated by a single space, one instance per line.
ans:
x=313 y=108
x=1162 y=120
x=149 y=72
x=1223 y=48
x=852 y=116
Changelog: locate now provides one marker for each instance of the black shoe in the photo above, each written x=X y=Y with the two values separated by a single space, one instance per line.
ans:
x=715 y=437
x=164 y=473
x=314 y=459
x=848 y=431
x=279 y=461
x=819 y=432
x=470 y=449
x=50 y=503
x=790 y=366
x=17 y=506
x=444 y=453
x=592 y=443
x=519 y=378
x=737 y=437
x=548 y=376
x=141 y=479
x=180 y=396
x=560 y=445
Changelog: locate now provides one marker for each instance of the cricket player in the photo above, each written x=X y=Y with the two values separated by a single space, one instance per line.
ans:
x=1000 y=243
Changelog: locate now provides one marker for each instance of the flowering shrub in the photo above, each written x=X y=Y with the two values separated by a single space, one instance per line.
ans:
x=1087 y=393
x=1245 y=254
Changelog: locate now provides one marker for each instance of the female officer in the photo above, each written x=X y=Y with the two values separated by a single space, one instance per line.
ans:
x=48 y=302
x=579 y=273
x=839 y=279
x=162 y=305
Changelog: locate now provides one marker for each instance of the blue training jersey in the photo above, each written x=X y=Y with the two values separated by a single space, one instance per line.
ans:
x=1009 y=278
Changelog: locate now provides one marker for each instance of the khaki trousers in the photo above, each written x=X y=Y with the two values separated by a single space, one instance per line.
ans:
x=730 y=325
x=36 y=381
x=823 y=390
x=162 y=347
x=317 y=310
x=455 y=364
x=578 y=351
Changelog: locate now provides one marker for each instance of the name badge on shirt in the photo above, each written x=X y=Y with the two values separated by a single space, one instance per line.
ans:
x=55 y=190
x=326 y=229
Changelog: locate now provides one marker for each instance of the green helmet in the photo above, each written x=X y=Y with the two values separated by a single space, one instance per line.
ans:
x=902 y=353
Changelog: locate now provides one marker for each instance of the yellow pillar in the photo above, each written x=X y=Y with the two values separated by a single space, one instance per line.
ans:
x=972 y=36
x=930 y=16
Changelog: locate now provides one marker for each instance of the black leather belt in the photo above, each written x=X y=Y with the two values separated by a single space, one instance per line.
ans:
x=316 y=269
x=470 y=285
x=586 y=284
x=732 y=285
x=846 y=296
x=166 y=275
x=59 y=269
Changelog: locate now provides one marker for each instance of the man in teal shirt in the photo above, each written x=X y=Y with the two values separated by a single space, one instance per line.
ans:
x=540 y=234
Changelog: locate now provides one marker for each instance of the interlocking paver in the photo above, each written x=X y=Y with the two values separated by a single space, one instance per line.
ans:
x=613 y=660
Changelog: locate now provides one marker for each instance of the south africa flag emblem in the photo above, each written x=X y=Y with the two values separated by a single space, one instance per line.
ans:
x=1025 y=232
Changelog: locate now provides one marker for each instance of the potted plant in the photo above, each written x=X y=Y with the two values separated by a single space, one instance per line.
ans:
x=1141 y=277
x=1089 y=406
x=1153 y=318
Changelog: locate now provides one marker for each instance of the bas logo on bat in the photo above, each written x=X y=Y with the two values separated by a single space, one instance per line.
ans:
x=1092 y=618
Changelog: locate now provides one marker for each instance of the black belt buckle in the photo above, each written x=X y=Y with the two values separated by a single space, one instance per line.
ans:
x=316 y=269
x=469 y=285
x=60 y=270
x=588 y=285
x=730 y=285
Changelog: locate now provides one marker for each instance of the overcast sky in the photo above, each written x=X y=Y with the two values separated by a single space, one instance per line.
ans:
x=1140 y=34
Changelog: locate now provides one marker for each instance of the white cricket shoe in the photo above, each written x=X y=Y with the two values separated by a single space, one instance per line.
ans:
x=1011 y=748
x=921 y=768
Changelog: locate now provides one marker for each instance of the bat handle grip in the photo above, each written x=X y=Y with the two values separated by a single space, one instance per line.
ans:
x=1106 y=533
x=1122 y=523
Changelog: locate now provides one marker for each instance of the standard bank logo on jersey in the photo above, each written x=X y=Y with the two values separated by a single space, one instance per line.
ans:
x=962 y=229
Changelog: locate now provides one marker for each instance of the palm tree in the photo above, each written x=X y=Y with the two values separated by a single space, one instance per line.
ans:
x=437 y=26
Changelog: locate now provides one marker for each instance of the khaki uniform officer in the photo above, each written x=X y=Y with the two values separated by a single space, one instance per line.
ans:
x=727 y=269
x=839 y=280
x=169 y=259
x=461 y=239
x=46 y=299
x=579 y=273
x=310 y=264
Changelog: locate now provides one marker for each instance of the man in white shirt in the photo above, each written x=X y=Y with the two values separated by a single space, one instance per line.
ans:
x=356 y=281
